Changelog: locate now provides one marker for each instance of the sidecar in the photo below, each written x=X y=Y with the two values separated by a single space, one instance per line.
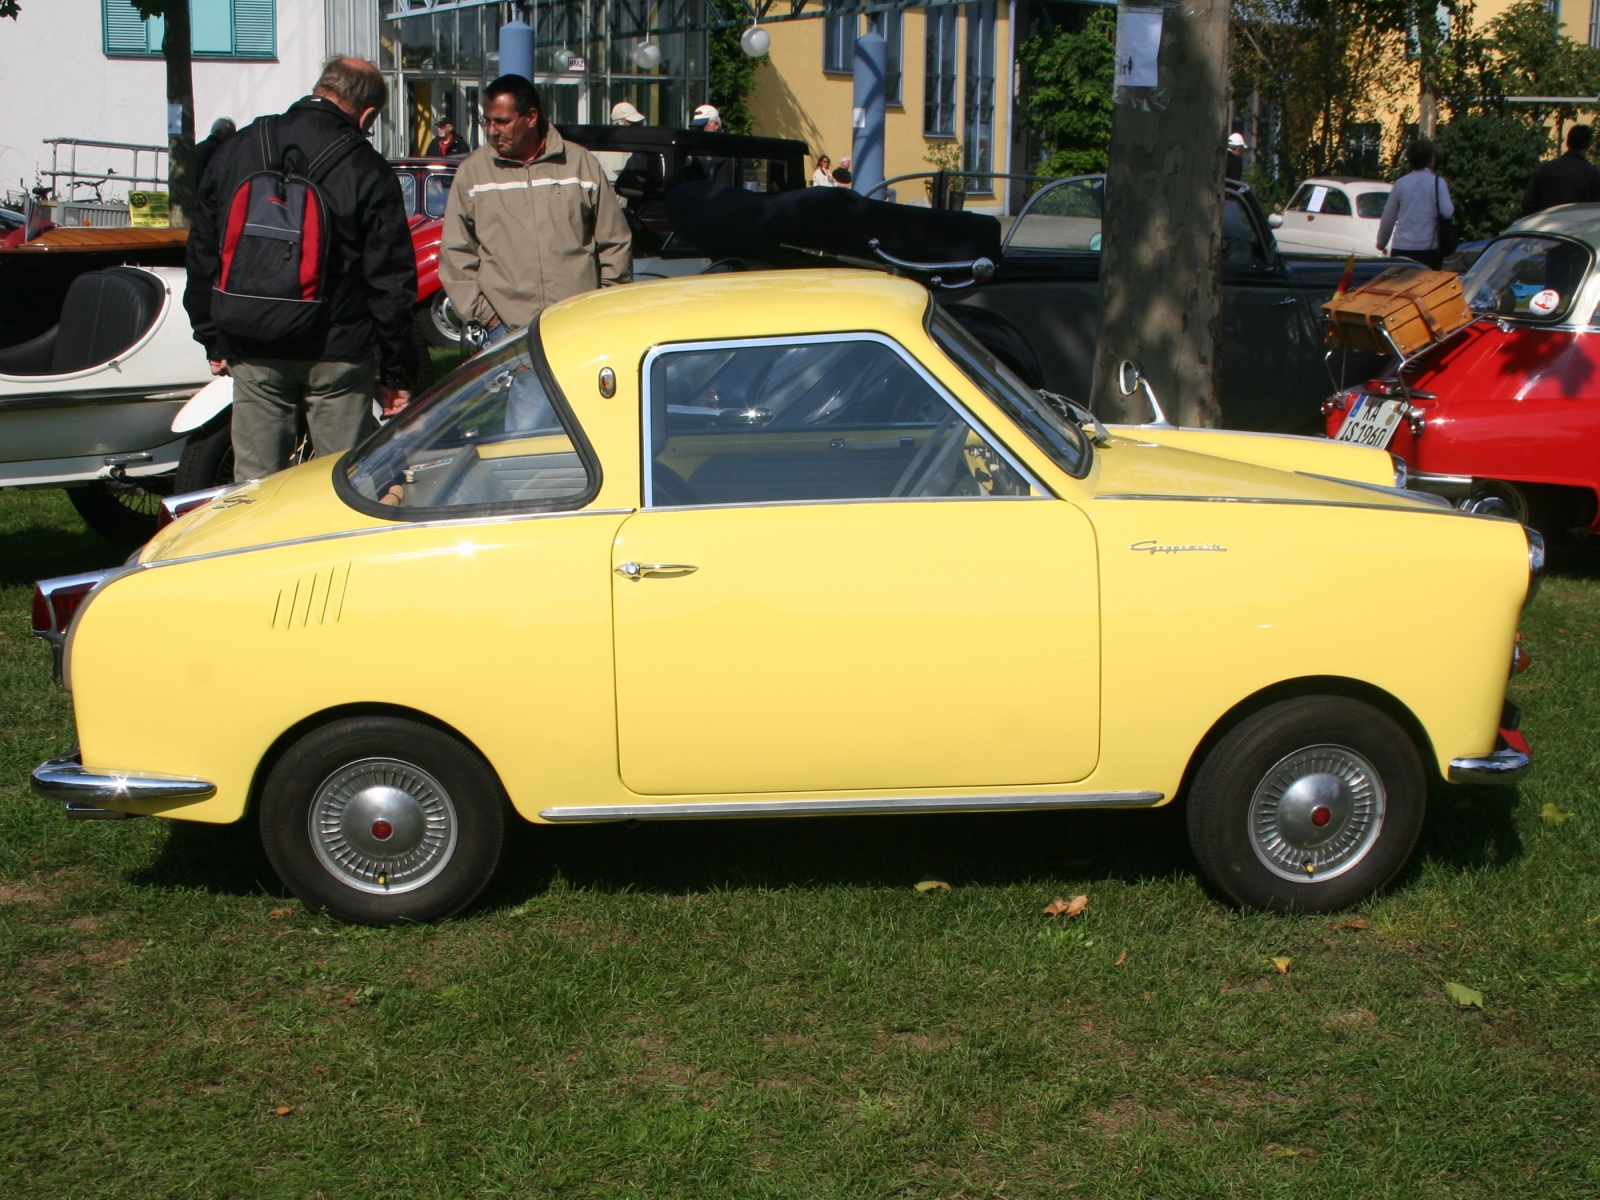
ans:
x=88 y=404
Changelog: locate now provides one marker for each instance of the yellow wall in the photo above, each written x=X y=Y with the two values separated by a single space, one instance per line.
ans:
x=794 y=98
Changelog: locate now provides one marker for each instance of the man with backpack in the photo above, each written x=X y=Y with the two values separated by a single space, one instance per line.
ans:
x=302 y=274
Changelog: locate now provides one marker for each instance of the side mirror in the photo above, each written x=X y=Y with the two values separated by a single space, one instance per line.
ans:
x=1130 y=380
x=1275 y=221
x=1127 y=378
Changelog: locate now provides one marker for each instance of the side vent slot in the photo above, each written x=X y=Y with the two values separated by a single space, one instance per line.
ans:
x=314 y=599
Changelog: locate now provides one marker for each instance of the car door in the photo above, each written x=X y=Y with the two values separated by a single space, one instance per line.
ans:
x=839 y=582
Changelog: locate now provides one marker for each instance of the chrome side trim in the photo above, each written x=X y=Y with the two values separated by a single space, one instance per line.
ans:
x=1503 y=766
x=812 y=808
x=1426 y=509
x=65 y=779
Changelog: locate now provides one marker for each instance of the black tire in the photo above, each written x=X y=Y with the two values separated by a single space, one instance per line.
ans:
x=207 y=460
x=121 y=513
x=436 y=322
x=366 y=767
x=1355 y=757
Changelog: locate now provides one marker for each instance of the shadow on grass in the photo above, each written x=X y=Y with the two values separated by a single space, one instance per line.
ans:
x=222 y=859
x=1470 y=828
x=41 y=551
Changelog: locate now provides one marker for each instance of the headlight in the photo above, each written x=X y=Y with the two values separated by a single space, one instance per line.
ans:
x=1401 y=472
x=1535 y=562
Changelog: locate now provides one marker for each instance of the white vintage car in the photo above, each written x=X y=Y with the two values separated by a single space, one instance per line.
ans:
x=1333 y=214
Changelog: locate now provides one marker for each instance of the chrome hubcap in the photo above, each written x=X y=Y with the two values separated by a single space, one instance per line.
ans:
x=1316 y=813
x=382 y=825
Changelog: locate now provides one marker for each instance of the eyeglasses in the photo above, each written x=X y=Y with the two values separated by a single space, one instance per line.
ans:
x=500 y=122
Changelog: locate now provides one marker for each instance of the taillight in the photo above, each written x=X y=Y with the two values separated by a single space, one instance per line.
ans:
x=57 y=601
x=1384 y=387
x=174 y=507
x=41 y=612
x=65 y=602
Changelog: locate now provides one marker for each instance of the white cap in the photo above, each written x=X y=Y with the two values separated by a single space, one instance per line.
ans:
x=705 y=114
x=623 y=113
x=1236 y=141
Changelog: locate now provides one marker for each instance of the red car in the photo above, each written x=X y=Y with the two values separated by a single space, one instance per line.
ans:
x=425 y=183
x=1503 y=416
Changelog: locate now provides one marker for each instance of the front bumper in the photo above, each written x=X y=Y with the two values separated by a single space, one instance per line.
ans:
x=1509 y=762
x=84 y=792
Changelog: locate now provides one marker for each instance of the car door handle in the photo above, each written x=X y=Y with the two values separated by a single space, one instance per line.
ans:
x=637 y=571
x=1283 y=303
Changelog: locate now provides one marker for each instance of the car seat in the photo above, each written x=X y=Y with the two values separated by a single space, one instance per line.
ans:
x=105 y=312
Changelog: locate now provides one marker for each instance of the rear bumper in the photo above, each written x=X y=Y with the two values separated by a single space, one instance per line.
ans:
x=1509 y=762
x=84 y=792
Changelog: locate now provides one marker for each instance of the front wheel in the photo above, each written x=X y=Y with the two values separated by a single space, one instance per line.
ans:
x=1308 y=805
x=121 y=512
x=438 y=323
x=207 y=460
x=377 y=820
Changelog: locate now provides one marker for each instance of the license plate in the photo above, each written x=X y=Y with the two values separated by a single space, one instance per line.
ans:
x=1372 y=422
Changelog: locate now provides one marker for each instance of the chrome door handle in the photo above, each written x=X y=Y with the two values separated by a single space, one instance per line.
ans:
x=1283 y=303
x=637 y=571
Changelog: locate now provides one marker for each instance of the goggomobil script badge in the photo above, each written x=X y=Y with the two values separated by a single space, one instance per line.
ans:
x=1138 y=45
x=1155 y=547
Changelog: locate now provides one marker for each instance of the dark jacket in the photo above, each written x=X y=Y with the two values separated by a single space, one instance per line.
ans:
x=454 y=148
x=1569 y=179
x=203 y=154
x=372 y=269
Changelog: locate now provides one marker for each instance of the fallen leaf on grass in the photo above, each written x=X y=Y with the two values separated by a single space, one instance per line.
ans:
x=1553 y=815
x=1351 y=925
x=1282 y=964
x=933 y=885
x=1067 y=908
x=1464 y=996
x=1121 y=958
x=283 y=1110
x=279 y=914
x=1285 y=1152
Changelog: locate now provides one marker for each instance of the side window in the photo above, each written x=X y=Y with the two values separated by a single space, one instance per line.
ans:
x=435 y=194
x=492 y=436
x=408 y=190
x=844 y=419
x=1063 y=216
x=1240 y=242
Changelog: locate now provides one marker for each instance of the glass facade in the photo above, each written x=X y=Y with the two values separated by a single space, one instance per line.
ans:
x=939 y=79
x=437 y=59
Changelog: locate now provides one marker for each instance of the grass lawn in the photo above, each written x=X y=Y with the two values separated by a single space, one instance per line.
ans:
x=770 y=1009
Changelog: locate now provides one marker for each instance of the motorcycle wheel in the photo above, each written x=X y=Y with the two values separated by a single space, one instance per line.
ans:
x=124 y=513
x=438 y=323
x=207 y=460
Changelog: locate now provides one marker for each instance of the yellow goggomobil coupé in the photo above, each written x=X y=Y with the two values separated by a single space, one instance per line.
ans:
x=788 y=544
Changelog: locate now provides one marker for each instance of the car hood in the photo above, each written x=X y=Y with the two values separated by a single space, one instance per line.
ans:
x=291 y=505
x=1131 y=467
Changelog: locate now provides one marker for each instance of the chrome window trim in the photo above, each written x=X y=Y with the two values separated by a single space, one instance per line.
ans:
x=647 y=473
x=848 y=805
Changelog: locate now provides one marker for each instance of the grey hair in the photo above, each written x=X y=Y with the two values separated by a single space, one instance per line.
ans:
x=356 y=81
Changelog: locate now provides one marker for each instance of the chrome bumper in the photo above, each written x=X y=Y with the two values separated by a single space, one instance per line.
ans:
x=83 y=791
x=1509 y=762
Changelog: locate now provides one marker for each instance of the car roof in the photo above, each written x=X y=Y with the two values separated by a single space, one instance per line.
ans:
x=1580 y=221
x=1347 y=180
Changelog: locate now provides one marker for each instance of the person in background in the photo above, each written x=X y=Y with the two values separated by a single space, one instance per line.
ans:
x=623 y=113
x=1411 y=215
x=364 y=344
x=447 y=143
x=222 y=129
x=1235 y=167
x=706 y=118
x=822 y=177
x=842 y=176
x=530 y=220
x=1569 y=179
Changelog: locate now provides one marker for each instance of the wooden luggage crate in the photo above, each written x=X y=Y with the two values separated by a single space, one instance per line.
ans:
x=1415 y=307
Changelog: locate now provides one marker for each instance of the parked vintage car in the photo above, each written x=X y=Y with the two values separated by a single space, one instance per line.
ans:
x=778 y=545
x=1332 y=214
x=1504 y=416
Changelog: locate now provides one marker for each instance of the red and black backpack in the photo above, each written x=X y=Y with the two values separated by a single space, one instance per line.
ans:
x=275 y=245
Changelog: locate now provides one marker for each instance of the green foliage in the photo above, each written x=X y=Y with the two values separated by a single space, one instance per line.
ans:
x=1487 y=157
x=732 y=76
x=10 y=8
x=1070 y=74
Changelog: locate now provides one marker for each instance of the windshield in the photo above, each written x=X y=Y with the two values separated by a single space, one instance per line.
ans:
x=489 y=437
x=1527 y=276
x=1049 y=428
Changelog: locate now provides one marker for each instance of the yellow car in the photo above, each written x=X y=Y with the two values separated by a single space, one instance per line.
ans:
x=790 y=544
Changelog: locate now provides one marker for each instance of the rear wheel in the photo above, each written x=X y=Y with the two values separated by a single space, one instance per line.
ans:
x=438 y=323
x=1308 y=805
x=207 y=460
x=376 y=820
x=121 y=512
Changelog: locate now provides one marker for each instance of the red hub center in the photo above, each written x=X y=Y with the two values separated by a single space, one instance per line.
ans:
x=383 y=831
x=1320 y=816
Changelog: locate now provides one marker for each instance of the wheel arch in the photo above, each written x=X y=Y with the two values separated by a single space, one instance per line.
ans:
x=1312 y=685
x=342 y=712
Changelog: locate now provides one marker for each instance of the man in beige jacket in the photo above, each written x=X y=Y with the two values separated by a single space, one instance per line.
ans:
x=531 y=219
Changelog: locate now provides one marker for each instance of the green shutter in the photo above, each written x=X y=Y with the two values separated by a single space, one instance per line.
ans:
x=255 y=30
x=124 y=29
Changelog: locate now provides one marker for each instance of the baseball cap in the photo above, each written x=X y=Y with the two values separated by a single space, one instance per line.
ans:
x=1236 y=140
x=704 y=114
x=622 y=111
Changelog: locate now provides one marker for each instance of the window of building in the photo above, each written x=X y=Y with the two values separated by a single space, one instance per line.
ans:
x=939 y=86
x=978 y=119
x=892 y=27
x=839 y=42
x=217 y=29
x=1362 y=148
x=806 y=419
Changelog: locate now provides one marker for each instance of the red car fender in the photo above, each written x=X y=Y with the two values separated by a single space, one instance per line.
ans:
x=426 y=234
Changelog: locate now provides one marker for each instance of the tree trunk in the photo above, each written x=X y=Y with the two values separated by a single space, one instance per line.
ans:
x=1161 y=258
x=175 y=47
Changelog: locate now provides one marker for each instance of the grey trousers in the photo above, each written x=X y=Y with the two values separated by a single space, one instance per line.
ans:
x=270 y=393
